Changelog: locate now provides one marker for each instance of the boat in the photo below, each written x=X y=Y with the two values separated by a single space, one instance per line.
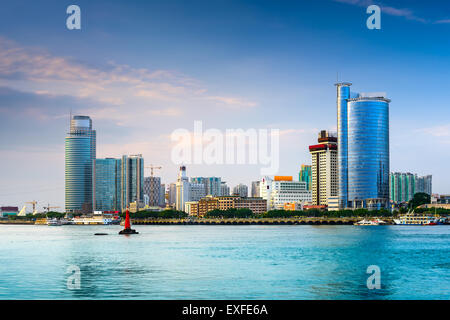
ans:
x=373 y=222
x=54 y=222
x=415 y=219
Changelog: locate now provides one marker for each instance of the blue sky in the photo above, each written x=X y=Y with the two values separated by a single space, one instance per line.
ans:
x=142 y=69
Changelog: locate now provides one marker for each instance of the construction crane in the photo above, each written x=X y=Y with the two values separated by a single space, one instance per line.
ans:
x=48 y=208
x=151 y=167
x=33 y=203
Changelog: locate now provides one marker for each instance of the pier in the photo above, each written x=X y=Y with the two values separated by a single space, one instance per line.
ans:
x=255 y=221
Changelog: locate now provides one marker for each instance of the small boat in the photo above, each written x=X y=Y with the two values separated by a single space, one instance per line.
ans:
x=54 y=222
x=373 y=222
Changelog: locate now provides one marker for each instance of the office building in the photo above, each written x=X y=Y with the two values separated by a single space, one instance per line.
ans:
x=132 y=181
x=183 y=189
x=203 y=206
x=196 y=191
x=363 y=149
x=80 y=153
x=240 y=190
x=107 y=184
x=324 y=177
x=305 y=175
x=281 y=190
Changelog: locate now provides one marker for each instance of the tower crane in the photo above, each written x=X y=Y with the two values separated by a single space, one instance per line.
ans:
x=33 y=203
x=152 y=167
x=48 y=208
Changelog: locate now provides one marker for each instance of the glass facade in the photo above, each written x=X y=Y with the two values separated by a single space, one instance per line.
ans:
x=132 y=180
x=107 y=184
x=368 y=152
x=343 y=94
x=80 y=152
x=363 y=149
x=305 y=175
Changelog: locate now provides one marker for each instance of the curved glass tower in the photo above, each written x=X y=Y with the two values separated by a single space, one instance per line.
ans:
x=80 y=153
x=363 y=149
x=368 y=152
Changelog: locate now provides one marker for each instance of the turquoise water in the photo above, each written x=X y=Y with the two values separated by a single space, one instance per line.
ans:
x=225 y=262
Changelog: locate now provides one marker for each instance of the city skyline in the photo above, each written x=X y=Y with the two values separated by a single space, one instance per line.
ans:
x=136 y=96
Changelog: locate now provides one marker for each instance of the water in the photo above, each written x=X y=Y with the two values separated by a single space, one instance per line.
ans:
x=225 y=262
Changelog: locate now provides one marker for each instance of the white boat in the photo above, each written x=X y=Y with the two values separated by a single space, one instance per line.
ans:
x=54 y=222
x=373 y=222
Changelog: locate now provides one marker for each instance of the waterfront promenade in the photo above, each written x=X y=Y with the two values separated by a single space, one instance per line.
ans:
x=255 y=221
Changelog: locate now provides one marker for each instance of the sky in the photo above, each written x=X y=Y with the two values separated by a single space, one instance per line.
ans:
x=142 y=69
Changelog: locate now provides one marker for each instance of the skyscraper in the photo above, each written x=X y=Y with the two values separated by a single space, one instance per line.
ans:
x=305 y=175
x=255 y=189
x=80 y=152
x=402 y=186
x=183 y=189
x=152 y=188
x=424 y=184
x=107 y=184
x=324 y=175
x=132 y=180
x=241 y=190
x=363 y=149
x=212 y=184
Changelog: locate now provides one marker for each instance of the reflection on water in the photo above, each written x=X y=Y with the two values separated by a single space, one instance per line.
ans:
x=225 y=262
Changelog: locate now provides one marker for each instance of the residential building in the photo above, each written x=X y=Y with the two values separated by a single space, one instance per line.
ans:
x=424 y=184
x=363 y=149
x=305 y=175
x=212 y=184
x=224 y=189
x=255 y=189
x=172 y=194
x=80 y=153
x=153 y=189
x=324 y=182
x=196 y=191
x=203 y=206
x=240 y=190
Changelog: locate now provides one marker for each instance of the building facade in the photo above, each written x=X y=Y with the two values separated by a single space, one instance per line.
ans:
x=107 y=185
x=324 y=173
x=305 y=175
x=132 y=180
x=255 y=189
x=363 y=149
x=183 y=189
x=153 y=189
x=224 y=189
x=80 y=153
x=240 y=190
x=212 y=184
x=424 y=184
x=281 y=190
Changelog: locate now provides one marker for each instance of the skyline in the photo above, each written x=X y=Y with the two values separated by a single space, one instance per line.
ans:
x=259 y=77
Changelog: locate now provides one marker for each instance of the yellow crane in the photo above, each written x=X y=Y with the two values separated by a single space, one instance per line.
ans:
x=48 y=208
x=152 y=167
x=33 y=203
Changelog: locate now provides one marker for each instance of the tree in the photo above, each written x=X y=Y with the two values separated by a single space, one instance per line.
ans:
x=419 y=199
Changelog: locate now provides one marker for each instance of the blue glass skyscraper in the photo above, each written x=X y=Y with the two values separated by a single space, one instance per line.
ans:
x=107 y=185
x=363 y=152
x=80 y=151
